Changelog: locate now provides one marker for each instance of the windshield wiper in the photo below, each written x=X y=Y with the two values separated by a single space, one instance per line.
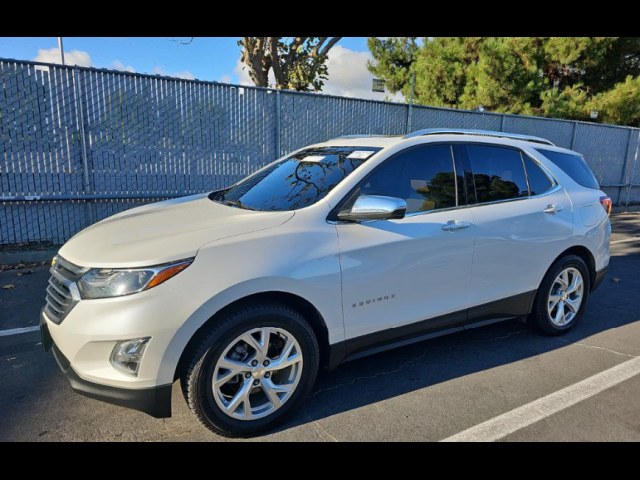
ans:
x=238 y=204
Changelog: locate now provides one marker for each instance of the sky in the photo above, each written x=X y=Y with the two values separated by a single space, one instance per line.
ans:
x=206 y=58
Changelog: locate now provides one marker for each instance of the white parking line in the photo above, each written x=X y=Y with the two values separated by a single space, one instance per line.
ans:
x=18 y=331
x=523 y=417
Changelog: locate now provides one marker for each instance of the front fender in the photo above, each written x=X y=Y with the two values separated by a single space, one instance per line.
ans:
x=331 y=313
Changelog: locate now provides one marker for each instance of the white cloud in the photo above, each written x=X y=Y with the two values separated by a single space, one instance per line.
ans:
x=349 y=76
x=226 y=78
x=74 y=57
x=118 y=65
x=242 y=72
x=186 y=75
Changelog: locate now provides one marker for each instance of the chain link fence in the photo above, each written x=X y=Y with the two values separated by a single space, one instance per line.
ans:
x=79 y=145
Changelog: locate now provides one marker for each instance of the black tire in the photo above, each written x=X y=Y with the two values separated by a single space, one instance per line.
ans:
x=540 y=319
x=202 y=357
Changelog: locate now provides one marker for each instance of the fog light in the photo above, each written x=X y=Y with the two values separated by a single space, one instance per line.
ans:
x=127 y=356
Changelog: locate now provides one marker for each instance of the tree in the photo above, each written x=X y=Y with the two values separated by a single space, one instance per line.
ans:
x=394 y=59
x=297 y=63
x=621 y=105
x=565 y=77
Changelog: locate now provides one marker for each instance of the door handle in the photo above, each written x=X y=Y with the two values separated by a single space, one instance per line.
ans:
x=454 y=226
x=553 y=210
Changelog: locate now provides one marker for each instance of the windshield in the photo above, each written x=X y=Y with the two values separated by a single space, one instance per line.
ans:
x=298 y=181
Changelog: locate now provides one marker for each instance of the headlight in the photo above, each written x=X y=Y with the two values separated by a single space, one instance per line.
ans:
x=110 y=283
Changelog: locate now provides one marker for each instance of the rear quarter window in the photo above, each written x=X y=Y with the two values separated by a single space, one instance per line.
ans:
x=539 y=183
x=574 y=166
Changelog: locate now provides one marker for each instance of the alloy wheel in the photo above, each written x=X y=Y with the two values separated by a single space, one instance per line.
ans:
x=257 y=374
x=566 y=297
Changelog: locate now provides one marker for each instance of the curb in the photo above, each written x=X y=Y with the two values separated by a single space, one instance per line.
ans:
x=27 y=257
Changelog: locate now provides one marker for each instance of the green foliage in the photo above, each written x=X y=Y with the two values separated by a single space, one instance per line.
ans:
x=572 y=102
x=564 y=77
x=394 y=58
x=621 y=105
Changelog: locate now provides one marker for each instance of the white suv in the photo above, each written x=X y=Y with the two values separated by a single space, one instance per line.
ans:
x=336 y=251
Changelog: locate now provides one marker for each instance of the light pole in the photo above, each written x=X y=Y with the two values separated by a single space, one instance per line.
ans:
x=61 y=50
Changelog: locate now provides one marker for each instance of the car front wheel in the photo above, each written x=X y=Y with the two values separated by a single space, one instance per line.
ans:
x=252 y=370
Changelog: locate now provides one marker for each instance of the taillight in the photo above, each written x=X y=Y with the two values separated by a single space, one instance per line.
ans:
x=607 y=203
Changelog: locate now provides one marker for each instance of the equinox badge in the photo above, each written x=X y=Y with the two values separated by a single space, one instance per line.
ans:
x=374 y=300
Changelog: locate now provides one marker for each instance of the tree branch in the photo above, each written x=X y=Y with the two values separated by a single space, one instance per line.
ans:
x=332 y=43
x=293 y=51
x=321 y=42
x=298 y=63
x=253 y=56
x=275 y=62
x=183 y=42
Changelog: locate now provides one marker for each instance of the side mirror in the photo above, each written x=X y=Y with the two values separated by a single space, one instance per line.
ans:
x=368 y=208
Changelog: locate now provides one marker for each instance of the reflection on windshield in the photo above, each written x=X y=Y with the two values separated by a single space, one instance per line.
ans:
x=298 y=181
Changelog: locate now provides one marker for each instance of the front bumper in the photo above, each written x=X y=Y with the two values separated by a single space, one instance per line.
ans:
x=91 y=331
x=155 y=402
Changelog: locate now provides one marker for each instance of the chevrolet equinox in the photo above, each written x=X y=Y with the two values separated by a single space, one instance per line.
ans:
x=332 y=253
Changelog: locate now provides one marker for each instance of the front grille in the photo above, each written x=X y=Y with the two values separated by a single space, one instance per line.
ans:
x=62 y=292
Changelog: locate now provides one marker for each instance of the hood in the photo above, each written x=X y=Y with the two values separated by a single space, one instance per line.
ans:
x=163 y=232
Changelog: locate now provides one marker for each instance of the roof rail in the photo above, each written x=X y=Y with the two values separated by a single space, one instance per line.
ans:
x=480 y=133
x=355 y=137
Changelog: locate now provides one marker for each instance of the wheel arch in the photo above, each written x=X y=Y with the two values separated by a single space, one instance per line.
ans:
x=296 y=302
x=585 y=254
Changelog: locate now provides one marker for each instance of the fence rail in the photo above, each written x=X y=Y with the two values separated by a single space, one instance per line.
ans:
x=81 y=144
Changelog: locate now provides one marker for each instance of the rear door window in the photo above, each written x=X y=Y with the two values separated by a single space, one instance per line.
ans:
x=574 y=166
x=498 y=173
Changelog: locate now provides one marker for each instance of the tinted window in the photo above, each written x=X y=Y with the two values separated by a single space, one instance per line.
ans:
x=298 y=181
x=574 y=166
x=498 y=173
x=539 y=182
x=424 y=177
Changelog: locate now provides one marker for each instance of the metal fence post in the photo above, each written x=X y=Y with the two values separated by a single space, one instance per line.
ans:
x=83 y=141
x=278 y=124
x=502 y=120
x=575 y=134
x=625 y=165
x=633 y=170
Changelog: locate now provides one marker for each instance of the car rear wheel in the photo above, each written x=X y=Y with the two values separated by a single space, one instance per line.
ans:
x=252 y=370
x=562 y=297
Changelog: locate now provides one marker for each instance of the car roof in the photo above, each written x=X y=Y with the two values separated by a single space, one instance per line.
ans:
x=378 y=141
x=446 y=135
